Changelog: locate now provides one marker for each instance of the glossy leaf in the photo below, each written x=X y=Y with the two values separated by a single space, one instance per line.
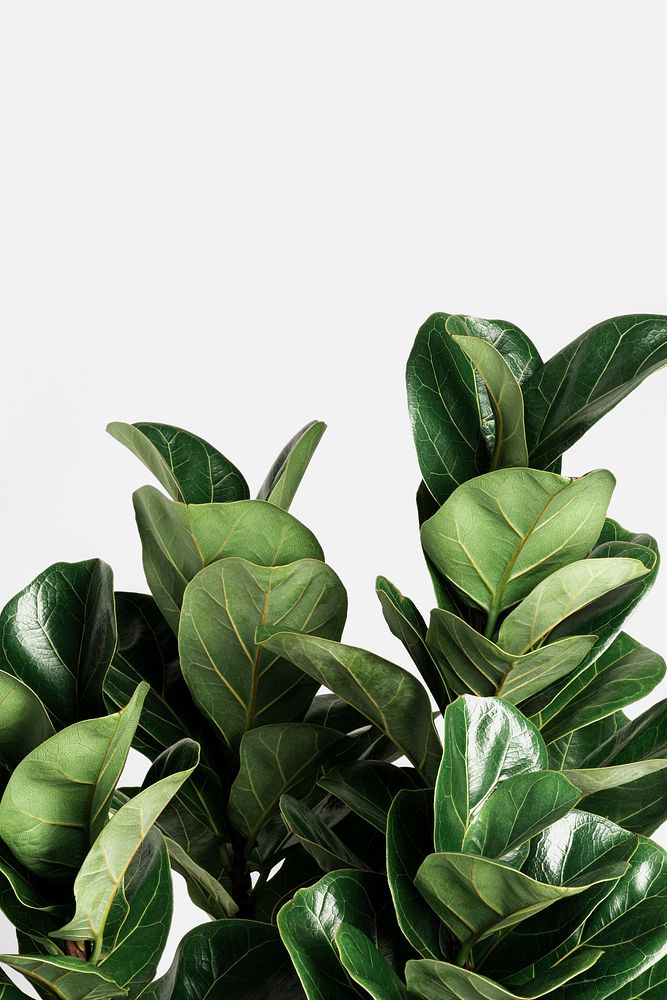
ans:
x=599 y=779
x=366 y=965
x=407 y=624
x=498 y=536
x=409 y=841
x=504 y=392
x=586 y=379
x=103 y=870
x=444 y=409
x=368 y=787
x=517 y=349
x=58 y=798
x=236 y=683
x=389 y=697
x=58 y=636
x=239 y=959
x=65 y=978
x=561 y=595
x=288 y=470
x=178 y=540
x=309 y=923
x=321 y=842
x=500 y=741
x=276 y=760
x=472 y=663
x=189 y=468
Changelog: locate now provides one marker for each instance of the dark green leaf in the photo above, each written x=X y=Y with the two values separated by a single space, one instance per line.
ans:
x=365 y=964
x=8 y=991
x=58 y=636
x=189 y=468
x=235 y=682
x=389 y=697
x=321 y=842
x=288 y=470
x=586 y=379
x=368 y=787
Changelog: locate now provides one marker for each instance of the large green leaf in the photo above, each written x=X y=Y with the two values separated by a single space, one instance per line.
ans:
x=64 y=978
x=407 y=624
x=236 y=683
x=442 y=981
x=473 y=663
x=368 y=787
x=504 y=392
x=276 y=760
x=309 y=923
x=586 y=379
x=517 y=349
x=58 y=798
x=102 y=873
x=286 y=473
x=229 y=960
x=444 y=409
x=178 y=540
x=316 y=836
x=409 y=841
x=58 y=636
x=24 y=722
x=365 y=964
x=189 y=468
x=499 y=741
x=498 y=536
x=476 y=896
x=563 y=594
x=388 y=696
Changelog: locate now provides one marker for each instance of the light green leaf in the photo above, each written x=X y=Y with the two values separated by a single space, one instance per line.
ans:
x=276 y=760
x=58 y=636
x=58 y=798
x=365 y=964
x=321 y=842
x=563 y=594
x=24 y=722
x=205 y=890
x=598 y=779
x=472 y=663
x=517 y=349
x=504 y=392
x=500 y=742
x=65 y=978
x=388 y=696
x=189 y=468
x=498 y=536
x=103 y=870
x=236 y=683
x=288 y=470
x=178 y=540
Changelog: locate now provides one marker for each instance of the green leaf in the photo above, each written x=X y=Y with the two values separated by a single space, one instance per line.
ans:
x=366 y=965
x=8 y=991
x=298 y=870
x=288 y=470
x=504 y=392
x=388 y=696
x=500 y=742
x=407 y=624
x=138 y=925
x=368 y=787
x=517 y=349
x=444 y=409
x=473 y=663
x=190 y=469
x=275 y=760
x=441 y=981
x=178 y=540
x=476 y=897
x=308 y=925
x=229 y=960
x=586 y=379
x=409 y=841
x=561 y=595
x=498 y=536
x=321 y=842
x=64 y=978
x=25 y=721
x=625 y=672
x=236 y=683
x=103 y=870
x=205 y=891
x=148 y=651
x=58 y=798
x=519 y=808
x=58 y=636
x=572 y=750
x=598 y=779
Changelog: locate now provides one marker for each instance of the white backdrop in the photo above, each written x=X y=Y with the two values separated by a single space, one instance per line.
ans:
x=234 y=217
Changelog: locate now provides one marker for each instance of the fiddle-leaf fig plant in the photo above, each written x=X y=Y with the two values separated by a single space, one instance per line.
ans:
x=474 y=827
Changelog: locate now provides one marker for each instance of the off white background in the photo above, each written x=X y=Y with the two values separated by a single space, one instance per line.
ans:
x=234 y=217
